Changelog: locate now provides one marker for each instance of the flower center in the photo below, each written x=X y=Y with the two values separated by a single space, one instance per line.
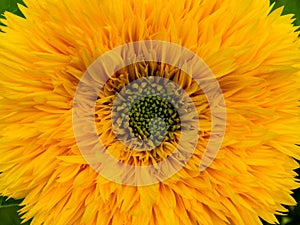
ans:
x=143 y=109
x=144 y=112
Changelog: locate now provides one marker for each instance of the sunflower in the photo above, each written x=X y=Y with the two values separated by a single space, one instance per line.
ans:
x=253 y=55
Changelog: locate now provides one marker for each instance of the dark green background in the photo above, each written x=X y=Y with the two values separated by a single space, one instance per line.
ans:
x=8 y=208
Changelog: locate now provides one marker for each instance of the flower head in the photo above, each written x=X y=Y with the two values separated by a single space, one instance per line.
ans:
x=253 y=54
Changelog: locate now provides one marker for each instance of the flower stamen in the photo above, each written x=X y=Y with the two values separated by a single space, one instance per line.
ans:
x=148 y=108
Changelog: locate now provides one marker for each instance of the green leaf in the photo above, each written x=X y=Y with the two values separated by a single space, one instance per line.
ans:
x=290 y=7
x=9 y=212
x=10 y=6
